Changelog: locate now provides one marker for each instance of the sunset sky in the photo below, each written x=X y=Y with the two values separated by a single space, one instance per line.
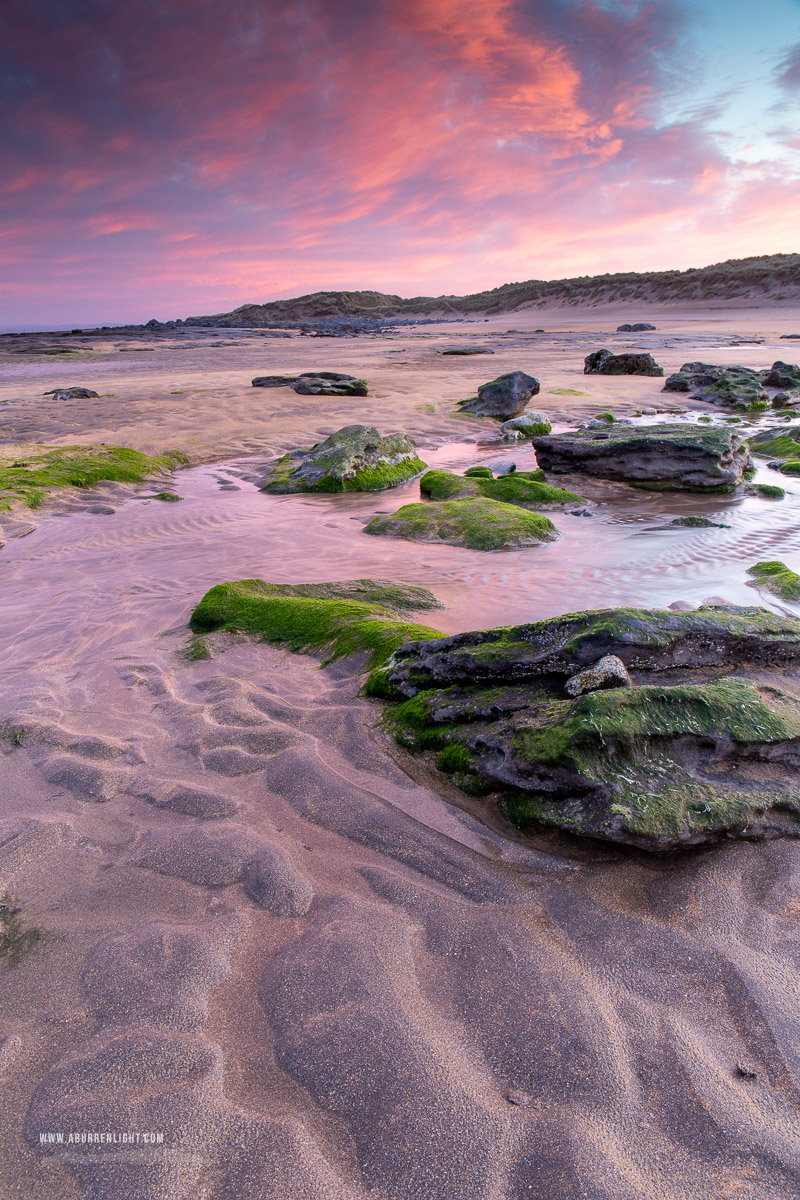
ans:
x=174 y=157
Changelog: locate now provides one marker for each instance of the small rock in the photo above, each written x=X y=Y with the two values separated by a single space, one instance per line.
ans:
x=637 y=327
x=608 y=672
x=744 y=1071
x=501 y=466
x=72 y=393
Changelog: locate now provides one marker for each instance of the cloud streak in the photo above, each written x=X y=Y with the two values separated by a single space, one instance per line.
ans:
x=181 y=156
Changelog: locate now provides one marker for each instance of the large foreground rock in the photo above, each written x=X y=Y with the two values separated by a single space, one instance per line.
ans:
x=698 y=740
x=603 y=362
x=504 y=397
x=354 y=459
x=673 y=457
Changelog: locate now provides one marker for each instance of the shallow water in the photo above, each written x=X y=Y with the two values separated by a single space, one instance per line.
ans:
x=88 y=584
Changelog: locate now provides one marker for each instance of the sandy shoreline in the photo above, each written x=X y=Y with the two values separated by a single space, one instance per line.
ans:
x=316 y=970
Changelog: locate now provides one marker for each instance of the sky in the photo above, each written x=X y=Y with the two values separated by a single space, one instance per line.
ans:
x=168 y=158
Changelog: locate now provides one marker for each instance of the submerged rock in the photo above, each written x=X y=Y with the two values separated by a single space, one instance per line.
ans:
x=503 y=397
x=682 y=756
x=698 y=522
x=467 y=350
x=354 y=459
x=636 y=327
x=670 y=457
x=603 y=362
x=527 y=425
x=316 y=383
x=476 y=523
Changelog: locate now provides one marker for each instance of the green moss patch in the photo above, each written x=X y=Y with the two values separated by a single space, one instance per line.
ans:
x=353 y=459
x=768 y=490
x=524 y=488
x=28 y=476
x=16 y=939
x=334 y=618
x=475 y=523
x=776 y=577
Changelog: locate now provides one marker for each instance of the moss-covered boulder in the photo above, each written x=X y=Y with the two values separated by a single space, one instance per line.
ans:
x=525 y=488
x=703 y=744
x=603 y=362
x=527 y=425
x=666 y=457
x=777 y=578
x=354 y=459
x=503 y=397
x=781 y=375
x=475 y=522
x=358 y=616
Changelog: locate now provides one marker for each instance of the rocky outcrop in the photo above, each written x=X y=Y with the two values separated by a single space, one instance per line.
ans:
x=603 y=362
x=740 y=387
x=476 y=523
x=674 y=750
x=674 y=457
x=503 y=397
x=354 y=459
x=316 y=383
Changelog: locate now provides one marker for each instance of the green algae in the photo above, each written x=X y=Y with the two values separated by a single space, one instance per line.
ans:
x=32 y=472
x=768 y=490
x=320 y=618
x=777 y=578
x=477 y=523
x=523 y=488
x=16 y=939
x=353 y=459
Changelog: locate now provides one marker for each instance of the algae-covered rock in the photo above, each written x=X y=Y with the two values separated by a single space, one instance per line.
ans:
x=316 y=383
x=777 y=578
x=476 y=523
x=466 y=351
x=603 y=362
x=768 y=490
x=674 y=457
x=785 y=376
x=776 y=442
x=339 y=618
x=503 y=397
x=698 y=522
x=354 y=459
x=525 y=488
x=688 y=753
x=527 y=425
x=741 y=387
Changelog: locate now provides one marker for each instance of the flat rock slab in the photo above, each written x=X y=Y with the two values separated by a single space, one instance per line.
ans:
x=670 y=457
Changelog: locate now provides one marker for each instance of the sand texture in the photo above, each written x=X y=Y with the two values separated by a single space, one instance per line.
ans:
x=267 y=935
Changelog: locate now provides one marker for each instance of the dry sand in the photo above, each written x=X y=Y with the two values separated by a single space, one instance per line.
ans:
x=273 y=939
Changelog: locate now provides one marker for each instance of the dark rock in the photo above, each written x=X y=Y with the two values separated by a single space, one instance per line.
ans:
x=637 y=327
x=467 y=350
x=315 y=383
x=355 y=458
x=503 y=397
x=698 y=522
x=603 y=362
x=688 y=754
x=670 y=457
x=788 y=337
x=782 y=375
x=72 y=393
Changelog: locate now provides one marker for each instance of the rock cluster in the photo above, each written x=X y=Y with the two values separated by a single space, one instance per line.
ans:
x=741 y=387
x=636 y=327
x=315 y=383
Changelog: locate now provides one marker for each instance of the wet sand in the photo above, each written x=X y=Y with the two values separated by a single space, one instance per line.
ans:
x=274 y=939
